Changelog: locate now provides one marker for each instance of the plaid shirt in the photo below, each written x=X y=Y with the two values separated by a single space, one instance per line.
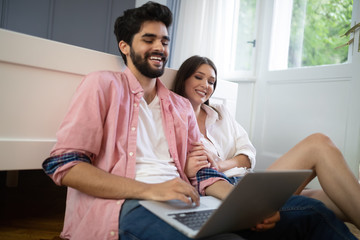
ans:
x=52 y=163
x=207 y=173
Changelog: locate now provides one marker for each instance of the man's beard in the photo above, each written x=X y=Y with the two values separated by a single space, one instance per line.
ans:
x=143 y=65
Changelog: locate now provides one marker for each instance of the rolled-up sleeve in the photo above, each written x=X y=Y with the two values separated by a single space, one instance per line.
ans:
x=57 y=166
x=206 y=177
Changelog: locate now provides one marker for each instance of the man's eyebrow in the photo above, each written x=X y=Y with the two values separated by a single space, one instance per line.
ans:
x=154 y=36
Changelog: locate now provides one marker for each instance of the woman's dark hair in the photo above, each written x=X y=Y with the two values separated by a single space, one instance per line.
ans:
x=187 y=69
x=129 y=24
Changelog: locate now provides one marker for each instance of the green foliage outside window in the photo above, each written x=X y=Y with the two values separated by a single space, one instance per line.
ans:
x=315 y=32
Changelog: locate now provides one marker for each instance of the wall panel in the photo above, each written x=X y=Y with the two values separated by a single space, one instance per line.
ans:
x=244 y=104
x=294 y=110
x=85 y=23
x=75 y=22
x=30 y=17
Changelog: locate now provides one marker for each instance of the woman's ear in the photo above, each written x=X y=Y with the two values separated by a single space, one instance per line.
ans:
x=124 y=47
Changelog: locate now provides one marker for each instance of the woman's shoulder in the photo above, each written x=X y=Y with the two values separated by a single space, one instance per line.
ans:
x=223 y=111
x=220 y=107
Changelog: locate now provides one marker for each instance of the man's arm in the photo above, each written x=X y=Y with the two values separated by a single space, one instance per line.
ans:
x=96 y=182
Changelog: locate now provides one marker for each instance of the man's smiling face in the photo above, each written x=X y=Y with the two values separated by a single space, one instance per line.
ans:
x=150 y=49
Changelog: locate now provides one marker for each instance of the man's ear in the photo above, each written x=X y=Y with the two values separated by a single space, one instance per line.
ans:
x=124 y=47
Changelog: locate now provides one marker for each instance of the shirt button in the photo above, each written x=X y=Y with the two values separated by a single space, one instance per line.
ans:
x=118 y=202
x=135 y=105
x=133 y=129
x=112 y=233
x=131 y=153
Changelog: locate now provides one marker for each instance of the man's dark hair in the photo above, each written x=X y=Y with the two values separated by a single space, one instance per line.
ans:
x=129 y=24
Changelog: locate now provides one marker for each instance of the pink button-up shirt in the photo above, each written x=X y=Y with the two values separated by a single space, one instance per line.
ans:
x=102 y=120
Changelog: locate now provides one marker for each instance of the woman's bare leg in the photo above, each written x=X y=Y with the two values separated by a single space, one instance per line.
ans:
x=318 y=152
x=319 y=194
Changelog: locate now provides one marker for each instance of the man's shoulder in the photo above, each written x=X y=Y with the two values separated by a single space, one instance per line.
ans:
x=178 y=100
x=104 y=75
x=105 y=78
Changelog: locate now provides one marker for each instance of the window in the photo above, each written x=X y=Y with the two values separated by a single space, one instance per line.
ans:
x=307 y=33
x=223 y=30
x=245 y=41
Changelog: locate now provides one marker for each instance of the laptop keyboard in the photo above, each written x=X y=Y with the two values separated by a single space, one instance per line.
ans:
x=193 y=220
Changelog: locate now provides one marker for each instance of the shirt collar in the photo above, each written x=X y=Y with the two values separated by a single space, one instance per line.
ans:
x=162 y=91
x=134 y=84
x=135 y=87
x=212 y=115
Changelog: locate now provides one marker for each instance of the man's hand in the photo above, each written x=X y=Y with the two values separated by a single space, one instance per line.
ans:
x=267 y=223
x=196 y=160
x=173 y=189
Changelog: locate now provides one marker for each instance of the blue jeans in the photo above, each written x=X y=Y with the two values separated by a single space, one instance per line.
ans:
x=301 y=218
x=304 y=218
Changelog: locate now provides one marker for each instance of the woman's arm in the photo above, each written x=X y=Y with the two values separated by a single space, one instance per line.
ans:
x=200 y=157
x=240 y=160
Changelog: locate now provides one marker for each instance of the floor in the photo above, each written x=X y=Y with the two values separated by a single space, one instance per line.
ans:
x=354 y=230
x=34 y=210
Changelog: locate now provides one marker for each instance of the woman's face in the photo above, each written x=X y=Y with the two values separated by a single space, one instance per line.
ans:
x=200 y=85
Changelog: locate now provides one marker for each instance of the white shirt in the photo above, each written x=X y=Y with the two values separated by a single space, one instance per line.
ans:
x=153 y=161
x=227 y=138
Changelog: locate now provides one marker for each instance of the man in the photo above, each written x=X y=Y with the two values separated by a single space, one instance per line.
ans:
x=125 y=137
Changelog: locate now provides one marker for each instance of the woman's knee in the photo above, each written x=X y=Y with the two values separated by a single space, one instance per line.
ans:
x=319 y=138
x=320 y=142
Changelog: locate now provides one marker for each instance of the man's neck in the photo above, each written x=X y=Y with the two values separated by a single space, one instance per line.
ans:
x=148 y=84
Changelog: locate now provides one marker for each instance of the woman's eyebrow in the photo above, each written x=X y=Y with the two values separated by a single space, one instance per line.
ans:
x=200 y=72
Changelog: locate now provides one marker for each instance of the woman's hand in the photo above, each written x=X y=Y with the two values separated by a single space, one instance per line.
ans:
x=213 y=163
x=196 y=160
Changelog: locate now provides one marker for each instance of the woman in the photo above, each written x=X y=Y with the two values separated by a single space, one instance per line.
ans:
x=196 y=80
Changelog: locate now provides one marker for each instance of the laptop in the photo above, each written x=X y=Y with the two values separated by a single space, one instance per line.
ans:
x=257 y=196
